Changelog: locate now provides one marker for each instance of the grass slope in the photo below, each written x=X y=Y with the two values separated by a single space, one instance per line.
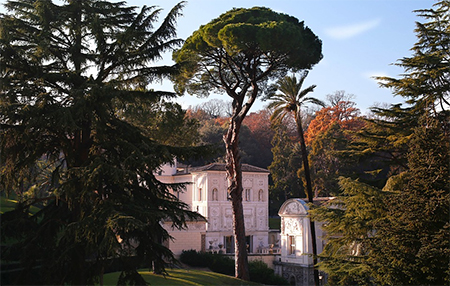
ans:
x=7 y=205
x=182 y=277
x=275 y=223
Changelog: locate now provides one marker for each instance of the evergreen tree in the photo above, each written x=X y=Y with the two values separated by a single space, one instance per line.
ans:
x=68 y=71
x=349 y=222
x=425 y=85
x=406 y=239
x=412 y=243
x=283 y=170
x=417 y=225
x=385 y=138
x=162 y=121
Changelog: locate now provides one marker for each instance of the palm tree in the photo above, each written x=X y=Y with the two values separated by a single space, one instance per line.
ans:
x=290 y=102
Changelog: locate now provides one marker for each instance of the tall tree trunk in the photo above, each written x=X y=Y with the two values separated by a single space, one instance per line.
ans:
x=234 y=176
x=298 y=120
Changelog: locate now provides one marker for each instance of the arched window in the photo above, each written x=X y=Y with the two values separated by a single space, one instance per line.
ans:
x=292 y=280
x=215 y=194
x=260 y=195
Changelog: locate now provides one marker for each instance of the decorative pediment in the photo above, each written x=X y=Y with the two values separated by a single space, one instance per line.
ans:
x=292 y=226
x=247 y=183
x=293 y=207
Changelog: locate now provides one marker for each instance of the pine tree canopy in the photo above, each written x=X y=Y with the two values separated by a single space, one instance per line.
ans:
x=71 y=74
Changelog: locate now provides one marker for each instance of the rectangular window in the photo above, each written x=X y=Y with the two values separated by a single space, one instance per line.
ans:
x=203 y=242
x=249 y=241
x=229 y=244
x=291 y=244
x=247 y=195
x=199 y=194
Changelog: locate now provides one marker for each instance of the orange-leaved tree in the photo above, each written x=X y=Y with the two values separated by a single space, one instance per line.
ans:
x=344 y=112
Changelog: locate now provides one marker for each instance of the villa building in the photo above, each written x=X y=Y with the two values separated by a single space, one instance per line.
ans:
x=288 y=250
x=207 y=194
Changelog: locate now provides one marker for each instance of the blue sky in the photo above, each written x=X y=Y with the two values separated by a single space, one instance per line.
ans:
x=361 y=39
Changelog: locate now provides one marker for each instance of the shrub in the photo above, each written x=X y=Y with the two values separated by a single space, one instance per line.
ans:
x=261 y=273
x=216 y=262
x=222 y=264
x=196 y=259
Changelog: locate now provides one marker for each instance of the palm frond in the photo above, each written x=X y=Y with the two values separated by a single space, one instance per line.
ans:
x=291 y=96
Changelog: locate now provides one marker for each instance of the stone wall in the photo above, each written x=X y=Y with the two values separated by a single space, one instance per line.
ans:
x=296 y=274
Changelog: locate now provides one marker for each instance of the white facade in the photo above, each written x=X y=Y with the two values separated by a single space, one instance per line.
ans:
x=296 y=246
x=207 y=194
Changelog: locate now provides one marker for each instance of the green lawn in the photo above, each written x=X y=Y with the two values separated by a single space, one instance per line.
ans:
x=275 y=223
x=7 y=205
x=182 y=277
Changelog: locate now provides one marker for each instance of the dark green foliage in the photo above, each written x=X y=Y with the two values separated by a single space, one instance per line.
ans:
x=414 y=235
x=259 y=271
x=286 y=162
x=222 y=264
x=385 y=138
x=426 y=83
x=149 y=116
x=402 y=233
x=412 y=241
x=216 y=262
x=230 y=44
x=398 y=236
x=196 y=259
x=350 y=220
x=329 y=157
x=71 y=75
x=336 y=153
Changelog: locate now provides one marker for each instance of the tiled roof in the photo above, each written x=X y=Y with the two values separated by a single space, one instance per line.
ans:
x=221 y=167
